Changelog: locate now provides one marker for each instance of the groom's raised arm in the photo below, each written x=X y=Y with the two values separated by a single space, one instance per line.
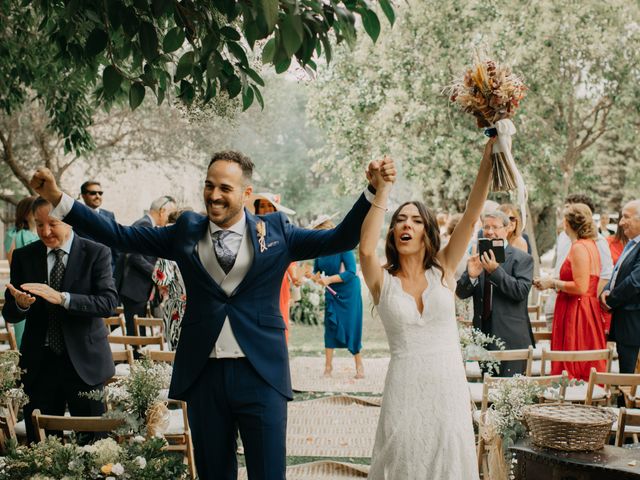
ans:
x=152 y=241
x=305 y=243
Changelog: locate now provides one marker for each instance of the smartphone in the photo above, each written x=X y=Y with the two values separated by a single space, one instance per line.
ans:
x=494 y=244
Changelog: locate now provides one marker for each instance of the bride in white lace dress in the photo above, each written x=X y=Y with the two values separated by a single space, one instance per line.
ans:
x=425 y=429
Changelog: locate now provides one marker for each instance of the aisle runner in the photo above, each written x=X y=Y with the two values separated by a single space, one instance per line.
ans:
x=306 y=375
x=324 y=470
x=338 y=426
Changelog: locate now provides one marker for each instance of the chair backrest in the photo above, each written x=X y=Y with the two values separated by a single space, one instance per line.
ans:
x=155 y=324
x=74 y=424
x=575 y=356
x=136 y=341
x=538 y=325
x=117 y=322
x=490 y=382
x=535 y=309
x=611 y=379
x=123 y=356
x=541 y=335
x=508 y=355
x=160 y=356
x=626 y=418
x=9 y=337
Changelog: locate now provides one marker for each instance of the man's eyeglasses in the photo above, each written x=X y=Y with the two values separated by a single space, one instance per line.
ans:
x=513 y=219
x=93 y=193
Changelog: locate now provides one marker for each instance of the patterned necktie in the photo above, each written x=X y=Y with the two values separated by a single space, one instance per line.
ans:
x=226 y=258
x=54 y=332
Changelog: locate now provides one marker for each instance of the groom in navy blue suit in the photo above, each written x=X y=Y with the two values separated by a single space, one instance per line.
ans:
x=231 y=365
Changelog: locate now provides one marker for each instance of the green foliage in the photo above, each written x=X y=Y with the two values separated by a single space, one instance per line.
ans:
x=581 y=61
x=62 y=51
x=309 y=310
x=138 y=459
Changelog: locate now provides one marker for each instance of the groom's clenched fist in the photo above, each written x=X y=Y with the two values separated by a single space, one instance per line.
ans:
x=44 y=183
x=380 y=172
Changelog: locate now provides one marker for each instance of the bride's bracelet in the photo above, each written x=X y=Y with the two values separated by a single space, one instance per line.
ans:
x=384 y=209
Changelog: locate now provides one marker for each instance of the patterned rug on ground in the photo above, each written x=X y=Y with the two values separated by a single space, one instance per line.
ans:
x=337 y=426
x=323 y=470
x=306 y=375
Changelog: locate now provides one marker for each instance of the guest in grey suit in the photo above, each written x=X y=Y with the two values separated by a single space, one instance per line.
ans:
x=500 y=292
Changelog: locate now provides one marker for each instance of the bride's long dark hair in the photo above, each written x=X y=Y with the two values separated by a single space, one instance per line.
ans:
x=431 y=239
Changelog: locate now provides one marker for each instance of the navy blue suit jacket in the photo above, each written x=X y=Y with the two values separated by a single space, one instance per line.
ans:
x=114 y=252
x=253 y=308
x=89 y=280
x=624 y=301
x=133 y=274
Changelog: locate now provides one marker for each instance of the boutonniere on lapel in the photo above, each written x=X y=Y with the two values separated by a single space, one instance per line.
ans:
x=261 y=232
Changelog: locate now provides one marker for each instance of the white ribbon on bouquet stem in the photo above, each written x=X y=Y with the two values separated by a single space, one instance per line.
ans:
x=506 y=129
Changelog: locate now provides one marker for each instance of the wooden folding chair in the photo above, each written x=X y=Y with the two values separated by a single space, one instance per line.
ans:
x=8 y=422
x=116 y=322
x=500 y=356
x=626 y=384
x=8 y=339
x=179 y=434
x=628 y=424
x=74 y=424
x=542 y=335
x=535 y=311
x=490 y=383
x=156 y=325
x=137 y=341
x=578 y=393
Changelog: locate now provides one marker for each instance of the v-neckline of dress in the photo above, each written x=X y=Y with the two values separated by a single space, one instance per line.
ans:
x=422 y=295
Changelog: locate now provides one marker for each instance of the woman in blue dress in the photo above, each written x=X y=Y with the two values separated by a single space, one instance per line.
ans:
x=343 y=303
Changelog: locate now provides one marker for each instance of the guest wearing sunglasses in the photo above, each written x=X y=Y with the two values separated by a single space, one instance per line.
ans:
x=134 y=271
x=92 y=194
x=515 y=236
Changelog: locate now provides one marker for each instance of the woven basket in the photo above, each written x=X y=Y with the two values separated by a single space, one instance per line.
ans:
x=569 y=427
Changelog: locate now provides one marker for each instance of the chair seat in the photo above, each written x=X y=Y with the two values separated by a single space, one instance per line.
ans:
x=123 y=370
x=176 y=422
x=476 y=416
x=475 y=390
x=472 y=370
x=536 y=368
x=578 y=393
x=627 y=429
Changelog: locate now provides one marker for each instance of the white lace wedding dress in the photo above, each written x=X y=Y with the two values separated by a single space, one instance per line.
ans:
x=425 y=430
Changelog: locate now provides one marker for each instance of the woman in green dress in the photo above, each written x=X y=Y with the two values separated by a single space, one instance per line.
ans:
x=18 y=236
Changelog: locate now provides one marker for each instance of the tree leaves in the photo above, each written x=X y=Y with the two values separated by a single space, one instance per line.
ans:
x=269 y=12
x=148 y=40
x=111 y=80
x=292 y=34
x=173 y=40
x=185 y=66
x=136 y=95
x=96 y=42
x=388 y=10
x=371 y=24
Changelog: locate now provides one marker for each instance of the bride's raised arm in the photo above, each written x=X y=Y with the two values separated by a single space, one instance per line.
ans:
x=451 y=255
x=370 y=231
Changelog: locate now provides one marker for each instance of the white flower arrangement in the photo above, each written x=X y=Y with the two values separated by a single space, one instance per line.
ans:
x=474 y=343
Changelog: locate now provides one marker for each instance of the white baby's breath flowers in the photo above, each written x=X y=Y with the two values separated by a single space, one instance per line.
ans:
x=141 y=462
x=117 y=469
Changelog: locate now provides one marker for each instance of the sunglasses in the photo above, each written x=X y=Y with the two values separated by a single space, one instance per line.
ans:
x=93 y=193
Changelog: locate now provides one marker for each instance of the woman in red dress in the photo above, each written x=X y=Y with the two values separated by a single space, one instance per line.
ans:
x=577 y=320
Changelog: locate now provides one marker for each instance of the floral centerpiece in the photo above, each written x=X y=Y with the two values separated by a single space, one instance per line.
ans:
x=137 y=459
x=309 y=309
x=137 y=398
x=474 y=345
x=10 y=393
x=492 y=93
